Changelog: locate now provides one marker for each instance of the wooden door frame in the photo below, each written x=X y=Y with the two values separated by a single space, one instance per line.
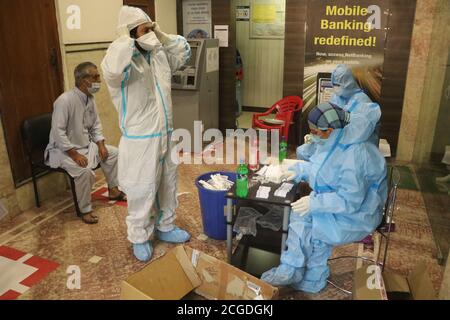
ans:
x=57 y=78
x=138 y=3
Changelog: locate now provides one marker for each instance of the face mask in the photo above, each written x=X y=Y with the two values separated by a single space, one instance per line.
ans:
x=317 y=139
x=149 y=41
x=337 y=89
x=95 y=87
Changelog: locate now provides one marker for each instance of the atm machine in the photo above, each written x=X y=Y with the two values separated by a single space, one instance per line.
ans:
x=195 y=88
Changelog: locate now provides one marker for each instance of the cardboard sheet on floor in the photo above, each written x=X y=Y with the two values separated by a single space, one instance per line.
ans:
x=184 y=273
x=417 y=286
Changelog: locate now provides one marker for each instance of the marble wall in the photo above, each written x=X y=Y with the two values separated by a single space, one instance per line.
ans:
x=18 y=200
x=426 y=73
x=7 y=191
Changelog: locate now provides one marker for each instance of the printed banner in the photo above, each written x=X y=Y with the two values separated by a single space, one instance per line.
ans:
x=349 y=32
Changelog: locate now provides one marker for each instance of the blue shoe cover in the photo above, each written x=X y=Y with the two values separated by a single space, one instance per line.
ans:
x=283 y=275
x=176 y=235
x=143 y=251
x=313 y=286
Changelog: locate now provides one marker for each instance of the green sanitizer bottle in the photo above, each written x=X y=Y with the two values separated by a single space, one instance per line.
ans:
x=283 y=149
x=242 y=180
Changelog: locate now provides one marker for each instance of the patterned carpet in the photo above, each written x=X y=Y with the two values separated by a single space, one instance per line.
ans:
x=58 y=235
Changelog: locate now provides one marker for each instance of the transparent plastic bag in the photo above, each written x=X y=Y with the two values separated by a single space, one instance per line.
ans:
x=273 y=219
x=246 y=221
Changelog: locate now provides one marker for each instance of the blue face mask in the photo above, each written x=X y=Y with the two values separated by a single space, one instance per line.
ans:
x=318 y=140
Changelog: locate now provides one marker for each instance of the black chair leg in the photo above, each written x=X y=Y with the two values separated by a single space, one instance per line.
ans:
x=74 y=194
x=36 y=193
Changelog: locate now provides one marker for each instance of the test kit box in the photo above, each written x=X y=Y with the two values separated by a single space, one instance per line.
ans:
x=185 y=273
x=370 y=284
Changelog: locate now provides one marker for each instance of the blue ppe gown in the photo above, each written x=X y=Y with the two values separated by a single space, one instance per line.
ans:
x=364 y=114
x=348 y=179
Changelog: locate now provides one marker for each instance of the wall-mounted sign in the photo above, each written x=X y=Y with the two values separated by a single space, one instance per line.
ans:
x=221 y=33
x=267 y=19
x=243 y=13
x=197 y=19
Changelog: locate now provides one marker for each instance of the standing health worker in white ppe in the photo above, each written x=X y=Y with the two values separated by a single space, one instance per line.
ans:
x=137 y=69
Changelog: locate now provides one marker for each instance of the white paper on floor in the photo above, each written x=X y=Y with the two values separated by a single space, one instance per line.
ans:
x=202 y=237
x=95 y=259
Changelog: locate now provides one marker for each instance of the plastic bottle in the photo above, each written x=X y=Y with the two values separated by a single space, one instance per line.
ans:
x=242 y=180
x=283 y=149
x=254 y=155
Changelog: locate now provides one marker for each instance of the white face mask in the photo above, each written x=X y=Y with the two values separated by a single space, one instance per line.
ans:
x=95 y=87
x=337 y=89
x=149 y=41
x=318 y=140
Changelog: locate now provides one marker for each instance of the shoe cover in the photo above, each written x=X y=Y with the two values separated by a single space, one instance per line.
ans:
x=177 y=235
x=143 y=251
x=282 y=275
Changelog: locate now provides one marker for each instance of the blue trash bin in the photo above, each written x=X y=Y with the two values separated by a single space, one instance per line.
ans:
x=212 y=205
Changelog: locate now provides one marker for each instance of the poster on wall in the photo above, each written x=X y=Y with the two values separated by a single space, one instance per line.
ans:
x=267 y=19
x=221 y=33
x=349 y=32
x=243 y=13
x=197 y=19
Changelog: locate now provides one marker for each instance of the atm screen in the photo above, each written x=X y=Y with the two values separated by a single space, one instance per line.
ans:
x=191 y=81
x=193 y=59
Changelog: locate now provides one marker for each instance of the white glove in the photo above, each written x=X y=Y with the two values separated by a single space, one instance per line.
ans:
x=288 y=176
x=301 y=206
x=162 y=37
x=308 y=139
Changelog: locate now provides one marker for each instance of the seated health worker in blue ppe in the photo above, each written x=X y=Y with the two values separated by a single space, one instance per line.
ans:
x=138 y=69
x=364 y=114
x=348 y=182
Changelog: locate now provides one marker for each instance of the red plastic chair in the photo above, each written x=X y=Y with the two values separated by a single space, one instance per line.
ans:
x=285 y=108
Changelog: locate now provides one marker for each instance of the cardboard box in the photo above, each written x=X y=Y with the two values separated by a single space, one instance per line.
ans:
x=370 y=284
x=184 y=273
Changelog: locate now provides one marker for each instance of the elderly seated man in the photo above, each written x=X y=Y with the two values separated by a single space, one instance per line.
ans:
x=348 y=179
x=76 y=141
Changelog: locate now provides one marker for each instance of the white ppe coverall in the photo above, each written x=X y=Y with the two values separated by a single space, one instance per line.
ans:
x=140 y=87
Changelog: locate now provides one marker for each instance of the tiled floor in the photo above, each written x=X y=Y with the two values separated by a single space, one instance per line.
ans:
x=437 y=202
x=56 y=234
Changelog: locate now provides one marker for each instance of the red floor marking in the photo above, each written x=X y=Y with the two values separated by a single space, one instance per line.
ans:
x=10 y=295
x=11 y=253
x=43 y=266
x=98 y=196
